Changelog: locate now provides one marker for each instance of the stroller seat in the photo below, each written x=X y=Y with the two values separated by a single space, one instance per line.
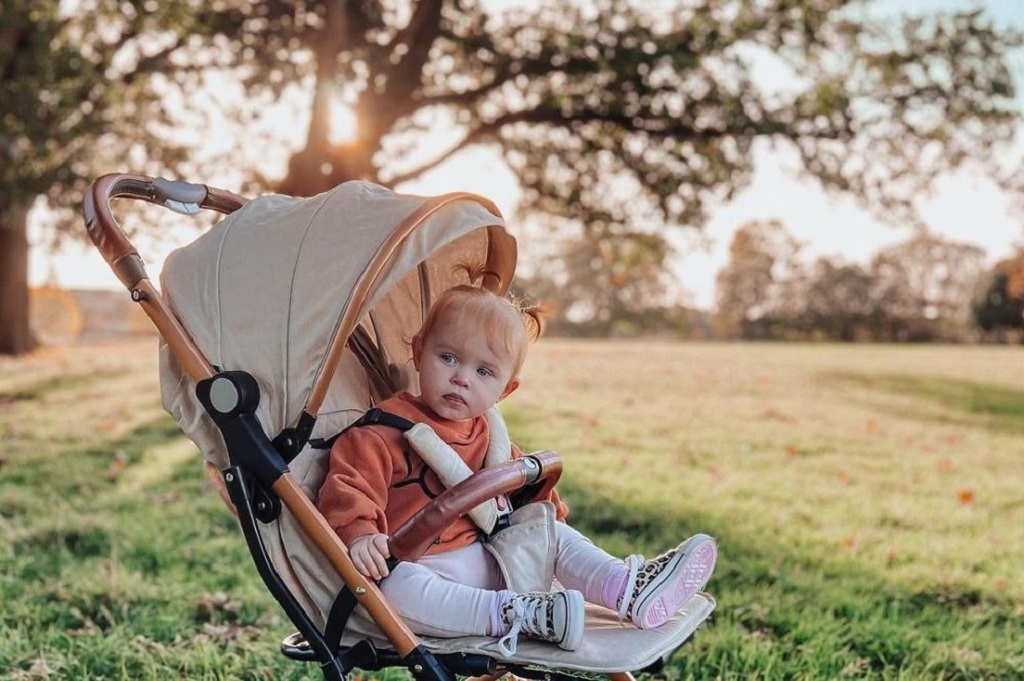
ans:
x=284 y=323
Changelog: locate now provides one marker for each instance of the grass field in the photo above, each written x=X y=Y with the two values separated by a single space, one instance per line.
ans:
x=867 y=500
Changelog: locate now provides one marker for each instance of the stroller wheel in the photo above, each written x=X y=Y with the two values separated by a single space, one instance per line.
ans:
x=295 y=647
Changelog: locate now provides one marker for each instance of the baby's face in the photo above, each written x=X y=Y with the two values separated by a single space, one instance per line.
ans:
x=461 y=377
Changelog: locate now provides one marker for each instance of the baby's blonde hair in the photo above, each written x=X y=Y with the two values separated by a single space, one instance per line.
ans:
x=508 y=326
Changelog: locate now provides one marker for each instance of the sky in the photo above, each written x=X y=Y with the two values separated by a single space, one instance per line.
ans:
x=963 y=208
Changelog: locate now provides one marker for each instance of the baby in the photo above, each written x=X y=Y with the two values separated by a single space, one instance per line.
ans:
x=468 y=353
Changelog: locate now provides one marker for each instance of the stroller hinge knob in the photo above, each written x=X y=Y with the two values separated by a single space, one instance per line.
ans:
x=223 y=395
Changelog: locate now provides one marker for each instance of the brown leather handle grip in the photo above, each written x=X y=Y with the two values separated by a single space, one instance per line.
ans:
x=411 y=540
x=108 y=236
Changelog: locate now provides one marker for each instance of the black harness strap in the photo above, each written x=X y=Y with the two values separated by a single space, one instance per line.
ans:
x=341 y=610
x=372 y=417
x=290 y=441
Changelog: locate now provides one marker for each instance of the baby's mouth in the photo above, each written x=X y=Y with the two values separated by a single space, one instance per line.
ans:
x=455 y=399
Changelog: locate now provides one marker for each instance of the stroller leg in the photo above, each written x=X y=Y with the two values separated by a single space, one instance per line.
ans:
x=425 y=666
x=239 y=485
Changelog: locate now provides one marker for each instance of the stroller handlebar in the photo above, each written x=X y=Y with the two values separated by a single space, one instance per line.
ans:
x=411 y=540
x=110 y=239
x=125 y=261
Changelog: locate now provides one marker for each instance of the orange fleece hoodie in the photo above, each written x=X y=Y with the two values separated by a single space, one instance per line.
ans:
x=376 y=481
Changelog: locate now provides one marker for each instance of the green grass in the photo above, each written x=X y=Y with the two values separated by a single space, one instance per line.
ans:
x=866 y=500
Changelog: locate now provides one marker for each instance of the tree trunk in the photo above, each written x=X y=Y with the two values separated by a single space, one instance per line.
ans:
x=15 y=334
x=321 y=164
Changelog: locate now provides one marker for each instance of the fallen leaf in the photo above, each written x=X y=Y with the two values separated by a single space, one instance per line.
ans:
x=774 y=414
x=965 y=496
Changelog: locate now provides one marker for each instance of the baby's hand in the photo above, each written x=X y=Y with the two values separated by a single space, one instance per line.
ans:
x=369 y=553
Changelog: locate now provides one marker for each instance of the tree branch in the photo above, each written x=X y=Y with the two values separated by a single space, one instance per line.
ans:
x=470 y=139
x=665 y=128
x=416 y=38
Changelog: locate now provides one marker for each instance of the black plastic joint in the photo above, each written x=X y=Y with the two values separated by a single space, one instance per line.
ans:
x=425 y=666
x=231 y=398
x=228 y=394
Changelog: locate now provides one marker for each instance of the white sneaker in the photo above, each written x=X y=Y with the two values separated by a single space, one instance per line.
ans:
x=555 y=617
x=657 y=588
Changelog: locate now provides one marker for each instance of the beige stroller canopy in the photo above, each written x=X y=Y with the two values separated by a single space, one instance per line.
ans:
x=278 y=287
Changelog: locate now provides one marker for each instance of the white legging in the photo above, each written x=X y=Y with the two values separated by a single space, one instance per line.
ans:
x=452 y=594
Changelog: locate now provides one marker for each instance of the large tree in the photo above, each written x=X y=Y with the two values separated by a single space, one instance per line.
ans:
x=838 y=303
x=75 y=101
x=610 y=111
x=761 y=282
x=924 y=287
x=999 y=309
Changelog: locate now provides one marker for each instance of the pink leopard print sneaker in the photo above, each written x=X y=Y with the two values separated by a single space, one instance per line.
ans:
x=657 y=588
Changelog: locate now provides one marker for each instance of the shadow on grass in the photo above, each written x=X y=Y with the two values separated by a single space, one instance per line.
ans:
x=79 y=470
x=41 y=388
x=783 y=614
x=89 y=572
x=965 y=403
x=53 y=498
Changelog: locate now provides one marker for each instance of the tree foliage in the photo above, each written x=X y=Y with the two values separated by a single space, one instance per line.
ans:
x=925 y=286
x=999 y=311
x=838 y=303
x=758 y=282
x=606 y=283
x=608 y=112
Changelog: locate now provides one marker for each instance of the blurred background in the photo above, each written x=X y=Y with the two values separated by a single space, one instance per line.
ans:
x=782 y=169
x=842 y=171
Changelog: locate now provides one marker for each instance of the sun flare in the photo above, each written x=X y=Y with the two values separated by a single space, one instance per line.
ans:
x=343 y=122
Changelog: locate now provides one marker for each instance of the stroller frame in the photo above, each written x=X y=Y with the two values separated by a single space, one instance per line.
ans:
x=258 y=481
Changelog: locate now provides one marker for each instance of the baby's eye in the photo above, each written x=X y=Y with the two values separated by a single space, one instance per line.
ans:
x=484 y=371
x=448 y=358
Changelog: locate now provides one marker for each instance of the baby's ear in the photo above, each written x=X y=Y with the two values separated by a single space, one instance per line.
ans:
x=510 y=388
x=417 y=350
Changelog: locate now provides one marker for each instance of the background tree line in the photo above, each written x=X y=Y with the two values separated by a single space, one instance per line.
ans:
x=923 y=289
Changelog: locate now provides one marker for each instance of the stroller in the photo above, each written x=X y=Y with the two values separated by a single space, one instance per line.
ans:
x=283 y=325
